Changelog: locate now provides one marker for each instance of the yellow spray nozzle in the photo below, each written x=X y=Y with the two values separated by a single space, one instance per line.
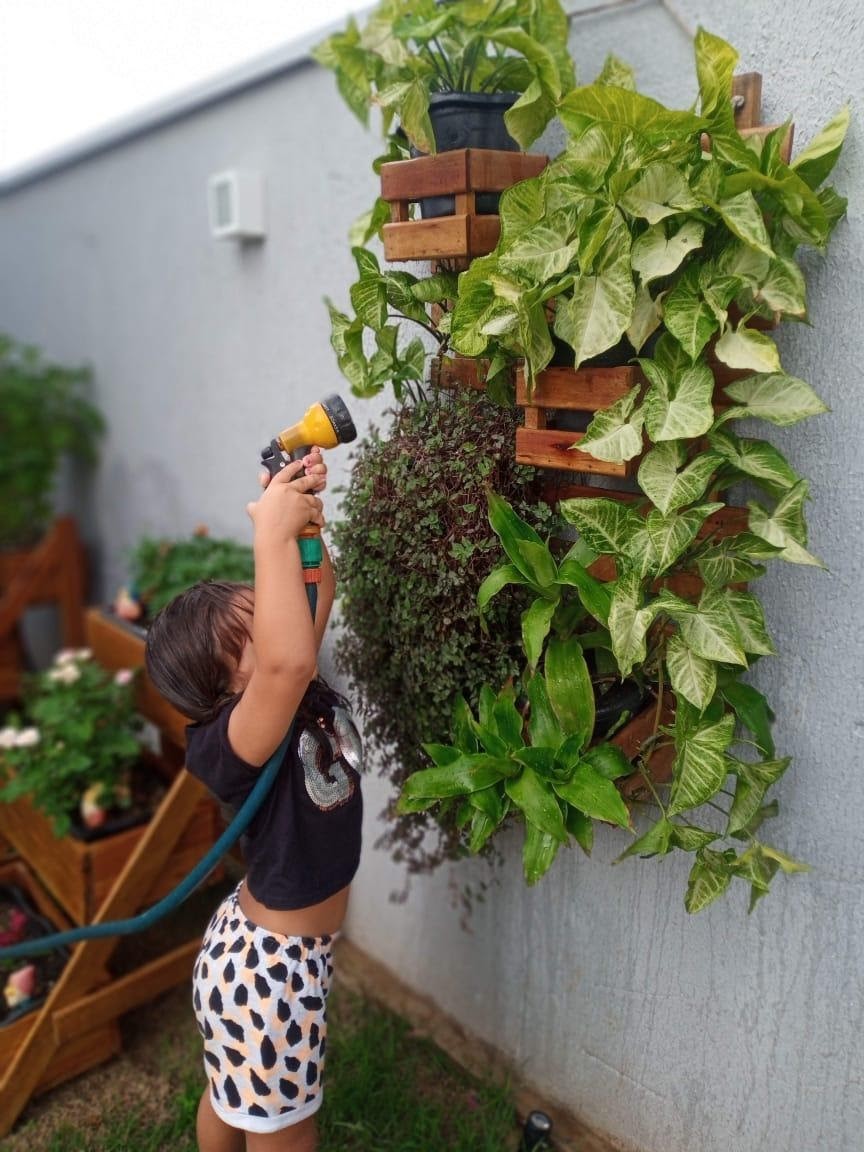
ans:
x=315 y=428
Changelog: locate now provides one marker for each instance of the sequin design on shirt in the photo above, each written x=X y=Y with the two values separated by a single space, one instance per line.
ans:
x=331 y=766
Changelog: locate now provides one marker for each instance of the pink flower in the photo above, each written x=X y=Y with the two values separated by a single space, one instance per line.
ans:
x=123 y=677
x=65 y=674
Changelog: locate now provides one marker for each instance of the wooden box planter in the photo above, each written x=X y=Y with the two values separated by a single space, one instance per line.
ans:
x=52 y=572
x=462 y=174
x=89 y=1046
x=79 y=874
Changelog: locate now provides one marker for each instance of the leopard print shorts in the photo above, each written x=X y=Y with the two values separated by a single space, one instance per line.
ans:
x=260 y=1000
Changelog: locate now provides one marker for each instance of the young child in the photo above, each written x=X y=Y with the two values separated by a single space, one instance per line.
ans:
x=241 y=663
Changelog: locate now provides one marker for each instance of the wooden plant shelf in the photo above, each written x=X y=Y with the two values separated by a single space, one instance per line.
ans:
x=93 y=1042
x=630 y=740
x=460 y=174
x=79 y=874
x=52 y=572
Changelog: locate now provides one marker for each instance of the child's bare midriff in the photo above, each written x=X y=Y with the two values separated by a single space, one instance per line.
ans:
x=324 y=919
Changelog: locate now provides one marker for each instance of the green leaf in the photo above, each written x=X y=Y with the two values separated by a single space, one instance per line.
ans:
x=815 y=162
x=692 y=676
x=534 y=796
x=778 y=398
x=541 y=253
x=670 y=536
x=700 y=765
x=467 y=774
x=606 y=525
x=690 y=839
x=594 y=795
x=629 y=622
x=744 y=347
x=538 y=852
x=568 y=683
x=609 y=760
x=581 y=828
x=755 y=458
x=709 y=878
x=783 y=289
x=654 y=842
x=785 y=527
x=540 y=564
x=482 y=827
x=617 y=73
x=659 y=192
x=678 y=407
x=647 y=317
x=708 y=629
x=497 y=579
x=749 y=619
x=598 y=312
x=787 y=863
x=610 y=109
x=411 y=99
x=665 y=486
x=512 y=531
x=689 y=318
x=544 y=731
x=536 y=622
x=742 y=216
x=508 y=722
x=594 y=595
x=612 y=434
x=656 y=254
x=715 y=66
x=752 y=710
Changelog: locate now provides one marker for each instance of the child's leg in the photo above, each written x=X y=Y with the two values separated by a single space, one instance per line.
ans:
x=301 y=1137
x=214 y=1135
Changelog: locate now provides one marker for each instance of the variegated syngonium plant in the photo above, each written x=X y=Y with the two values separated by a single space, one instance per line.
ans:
x=529 y=754
x=651 y=217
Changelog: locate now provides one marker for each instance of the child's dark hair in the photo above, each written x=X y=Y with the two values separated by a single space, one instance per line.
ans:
x=195 y=643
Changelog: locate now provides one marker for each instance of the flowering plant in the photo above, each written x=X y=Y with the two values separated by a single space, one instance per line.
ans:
x=76 y=740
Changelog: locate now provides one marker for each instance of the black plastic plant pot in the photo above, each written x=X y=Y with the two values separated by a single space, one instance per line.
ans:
x=623 y=697
x=468 y=120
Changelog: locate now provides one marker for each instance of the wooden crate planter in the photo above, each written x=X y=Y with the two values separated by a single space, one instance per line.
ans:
x=630 y=740
x=462 y=174
x=53 y=572
x=89 y=1046
x=79 y=874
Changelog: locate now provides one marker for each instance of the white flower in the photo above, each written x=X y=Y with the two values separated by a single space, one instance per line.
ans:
x=8 y=737
x=65 y=674
x=83 y=653
x=64 y=656
x=27 y=738
x=123 y=677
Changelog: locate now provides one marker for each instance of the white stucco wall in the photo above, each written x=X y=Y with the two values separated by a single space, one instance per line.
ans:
x=720 y=1033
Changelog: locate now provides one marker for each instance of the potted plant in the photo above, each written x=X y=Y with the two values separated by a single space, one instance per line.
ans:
x=412 y=544
x=677 y=557
x=78 y=785
x=25 y=915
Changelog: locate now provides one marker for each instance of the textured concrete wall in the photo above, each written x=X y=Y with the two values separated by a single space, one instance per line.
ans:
x=721 y=1033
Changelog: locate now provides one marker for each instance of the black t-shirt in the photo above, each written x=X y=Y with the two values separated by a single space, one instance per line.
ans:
x=303 y=843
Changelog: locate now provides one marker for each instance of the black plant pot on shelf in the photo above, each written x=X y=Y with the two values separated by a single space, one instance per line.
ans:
x=624 y=698
x=468 y=120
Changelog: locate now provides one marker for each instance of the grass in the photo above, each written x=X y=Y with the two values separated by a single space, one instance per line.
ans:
x=388 y=1090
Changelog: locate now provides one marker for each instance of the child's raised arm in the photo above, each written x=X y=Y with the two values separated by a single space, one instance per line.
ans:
x=280 y=661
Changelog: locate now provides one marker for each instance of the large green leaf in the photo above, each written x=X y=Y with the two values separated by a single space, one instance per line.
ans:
x=776 y=397
x=745 y=348
x=783 y=289
x=755 y=458
x=656 y=254
x=629 y=622
x=647 y=317
x=544 y=731
x=606 y=525
x=815 y=162
x=538 y=852
x=467 y=774
x=752 y=784
x=616 y=108
x=568 y=683
x=709 y=629
x=742 y=216
x=513 y=531
x=614 y=434
x=410 y=98
x=785 y=527
x=534 y=796
x=688 y=316
x=715 y=66
x=598 y=312
x=526 y=119
x=497 y=579
x=593 y=593
x=749 y=618
x=709 y=878
x=753 y=711
x=692 y=676
x=678 y=407
x=609 y=760
x=664 y=485
x=654 y=842
x=521 y=208
x=542 y=252
x=700 y=765
x=666 y=538
x=536 y=622
x=594 y=795
x=660 y=191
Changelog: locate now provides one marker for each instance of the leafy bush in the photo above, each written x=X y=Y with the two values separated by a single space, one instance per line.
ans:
x=46 y=414
x=413 y=545
x=162 y=569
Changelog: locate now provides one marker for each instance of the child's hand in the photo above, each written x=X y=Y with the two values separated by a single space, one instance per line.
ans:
x=314 y=465
x=288 y=505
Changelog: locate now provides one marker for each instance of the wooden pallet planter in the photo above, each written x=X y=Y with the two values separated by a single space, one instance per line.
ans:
x=455 y=372
x=51 y=573
x=79 y=874
x=462 y=174
x=630 y=740
x=89 y=1045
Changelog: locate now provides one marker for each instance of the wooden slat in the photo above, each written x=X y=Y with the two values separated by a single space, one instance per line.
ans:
x=116 y=646
x=458 y=171
x=580 y=390
x=493 y=171
x=552 y=448
x=443 y=237
x=764 y=130
x=747 y=86
x=458 y=372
